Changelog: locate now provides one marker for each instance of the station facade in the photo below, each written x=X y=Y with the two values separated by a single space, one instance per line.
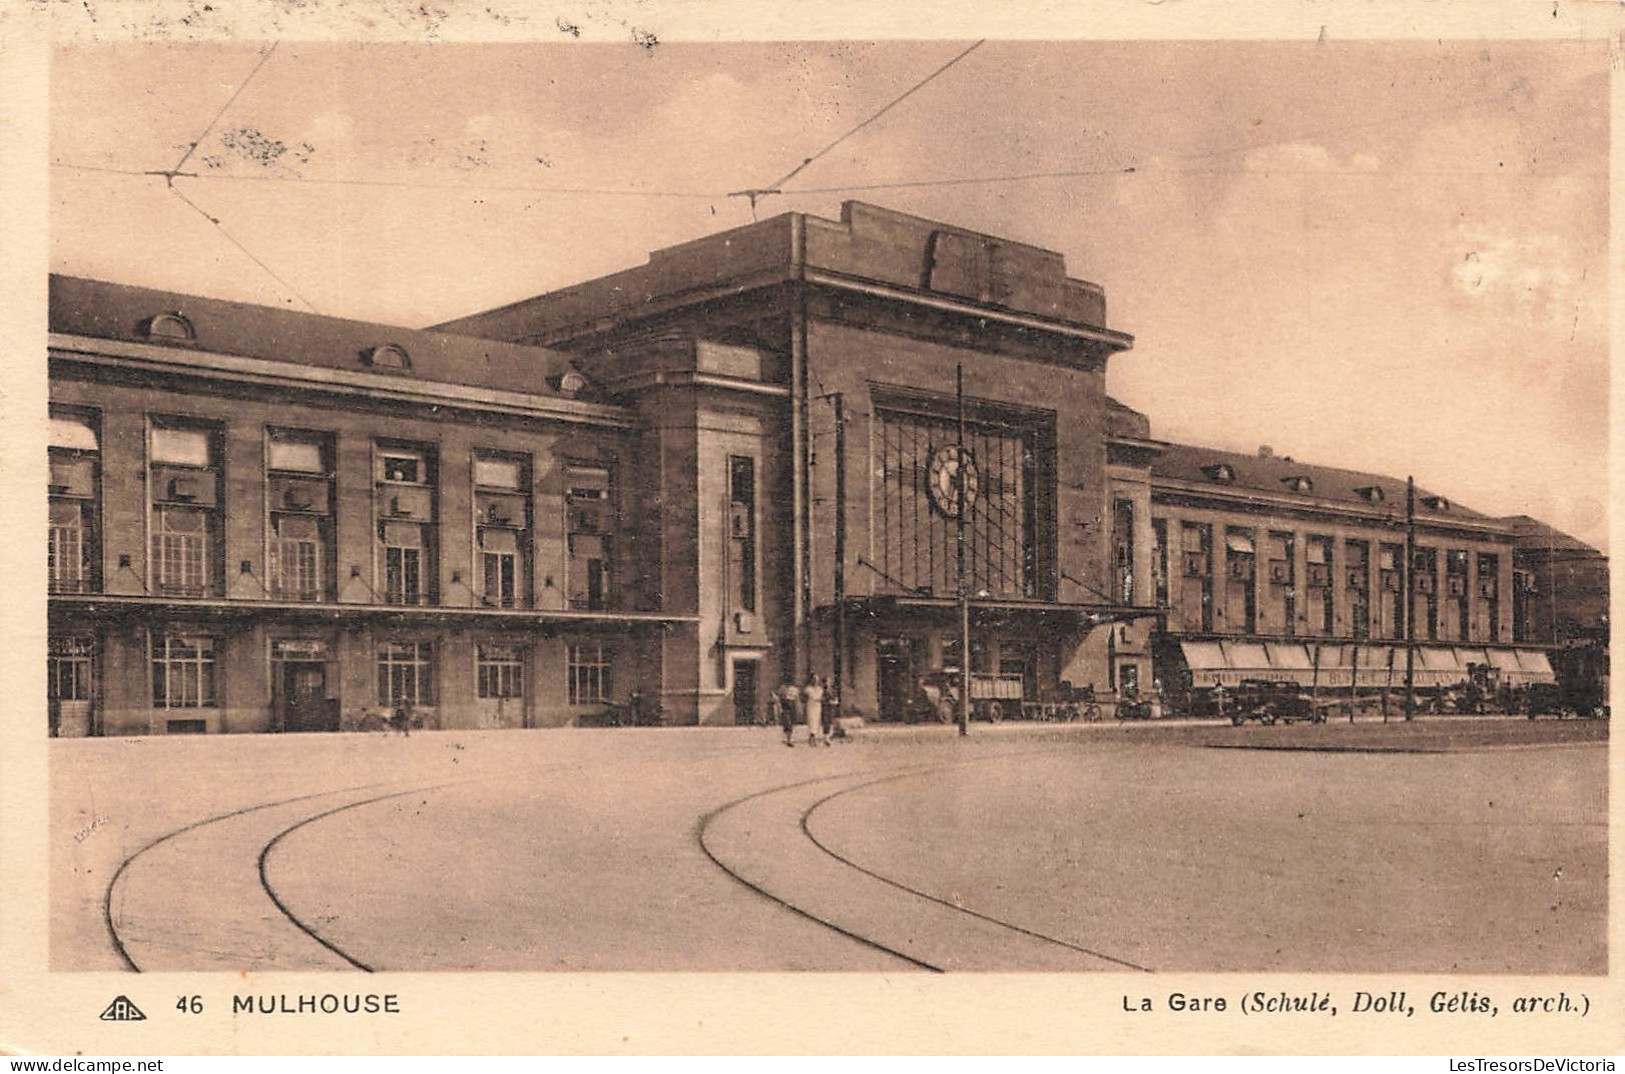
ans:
x=670 y=490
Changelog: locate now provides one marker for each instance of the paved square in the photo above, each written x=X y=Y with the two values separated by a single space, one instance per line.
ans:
x=1470 y=846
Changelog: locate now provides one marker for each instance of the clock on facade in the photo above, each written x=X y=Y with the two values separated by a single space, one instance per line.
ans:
x=944 y=471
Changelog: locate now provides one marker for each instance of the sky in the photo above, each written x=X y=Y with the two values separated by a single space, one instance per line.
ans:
x=1375 y=255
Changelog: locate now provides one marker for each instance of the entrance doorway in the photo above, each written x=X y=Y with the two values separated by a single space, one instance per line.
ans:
x=895 y=674
x=305 y=706
x=747 y=692
x=71 y=687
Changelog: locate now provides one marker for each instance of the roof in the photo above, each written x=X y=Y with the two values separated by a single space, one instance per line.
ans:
x=1123 y=420
x=116 y=311
x=906 y=254
x=1276 y=475
x=1534 y=535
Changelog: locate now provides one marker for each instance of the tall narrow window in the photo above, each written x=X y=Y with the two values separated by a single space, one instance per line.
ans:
x=591 y=537
x=183 y=672
x=1240 y=590
x=502 y=508
x=1318 y=553
x=1196 y=589
x=299 y=483
x=72 y=548
x=186 y=523
x=588 y=670
x=405 y=673
x=1489 y=597
x=406 y=506
x=1357 y=555
x=1123 y=549
x=1159 y=560
x=1390 y=559
x=742 y=531
x=1425 y=584
x=1457 y=606
x=1283 y=581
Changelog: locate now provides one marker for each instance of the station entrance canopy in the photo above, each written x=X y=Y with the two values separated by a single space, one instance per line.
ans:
x=1334 y=664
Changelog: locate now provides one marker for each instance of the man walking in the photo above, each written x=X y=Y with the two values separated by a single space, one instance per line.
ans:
x=786 y=699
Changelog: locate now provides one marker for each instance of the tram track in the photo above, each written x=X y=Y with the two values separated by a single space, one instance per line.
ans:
x=799 y=904
x=110 y=892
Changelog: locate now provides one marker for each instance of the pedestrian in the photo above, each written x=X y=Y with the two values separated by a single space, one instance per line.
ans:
x=832 y=714
x=787 y=697
x=402 y=719
x=812 y=709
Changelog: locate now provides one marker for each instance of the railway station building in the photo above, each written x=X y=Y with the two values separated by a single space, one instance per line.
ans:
x=674 y=488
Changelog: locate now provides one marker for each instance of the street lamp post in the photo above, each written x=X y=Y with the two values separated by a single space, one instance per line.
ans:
x=959 y=536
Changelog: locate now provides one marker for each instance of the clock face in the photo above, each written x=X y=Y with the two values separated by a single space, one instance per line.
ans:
x=948 y=466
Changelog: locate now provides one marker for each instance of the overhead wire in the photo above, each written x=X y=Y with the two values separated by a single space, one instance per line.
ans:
x=229 y=237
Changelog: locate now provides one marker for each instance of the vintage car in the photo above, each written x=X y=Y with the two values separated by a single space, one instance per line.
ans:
x=1274 y=702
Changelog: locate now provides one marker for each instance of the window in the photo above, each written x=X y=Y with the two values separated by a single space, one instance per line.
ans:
x=170 y=327
x=1298 y=483
x=1220 y=472
x=502 y=520
x=1489 y=591
x=1159 y=560
x=500 y=671
x=589 y=673
x=184 y=486
x=591 y=537
x=1390 y=556
x=1318 y=553
x=1283 y=591
x=388 y=356
x=742 y=531
x=402 y=468
x=300 y=529
x=1358 y=556
x=406 y=506
x=1425 y=584
x=405 y=673
x=180 y=551
x=1196 y=590
x=69 y=669
x=183 y=672
x=296 y=558
x=71 y=550
x=499 y=555
x=1123 y=549
x=403 y=563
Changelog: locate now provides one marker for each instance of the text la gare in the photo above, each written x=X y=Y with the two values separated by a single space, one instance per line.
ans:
x=1177 y=1001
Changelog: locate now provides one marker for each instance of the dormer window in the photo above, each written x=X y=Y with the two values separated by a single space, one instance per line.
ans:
x=1298 y=483
x=388 y=356
x=572 y=383
x=1436 y=503
x=1371 y=493
x=170 y=327
x=1222 y=472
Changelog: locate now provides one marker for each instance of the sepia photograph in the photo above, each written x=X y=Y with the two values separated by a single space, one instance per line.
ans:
x=869 y=507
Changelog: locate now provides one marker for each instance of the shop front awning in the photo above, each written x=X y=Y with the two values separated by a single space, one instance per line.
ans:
x=1534 y=666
